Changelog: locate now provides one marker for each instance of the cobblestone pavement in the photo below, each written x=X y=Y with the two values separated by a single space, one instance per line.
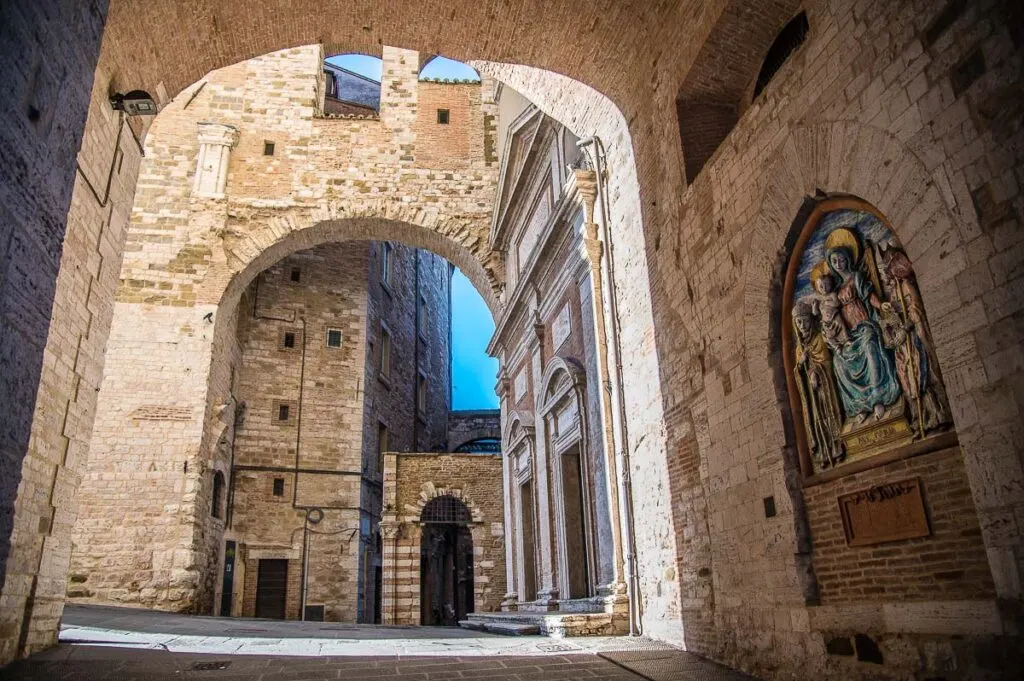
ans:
x=114 y=644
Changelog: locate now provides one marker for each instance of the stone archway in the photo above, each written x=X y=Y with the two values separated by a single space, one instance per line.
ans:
x=182 y=390
x=587 y=110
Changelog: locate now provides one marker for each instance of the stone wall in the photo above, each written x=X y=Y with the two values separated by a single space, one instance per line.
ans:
x=317 y=449
x=683 y=253
x=472 y=424
x=410 y=481
x=187 y=248
x=390 y=402
x=893 y=121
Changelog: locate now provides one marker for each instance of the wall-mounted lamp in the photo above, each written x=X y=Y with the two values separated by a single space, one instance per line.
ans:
x=134 y=103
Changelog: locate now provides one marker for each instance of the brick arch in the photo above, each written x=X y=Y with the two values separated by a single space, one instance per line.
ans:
x=717 y=87
x=247 y=253
x=429 y=491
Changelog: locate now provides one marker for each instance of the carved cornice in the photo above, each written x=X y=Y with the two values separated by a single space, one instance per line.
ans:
x=217 y=134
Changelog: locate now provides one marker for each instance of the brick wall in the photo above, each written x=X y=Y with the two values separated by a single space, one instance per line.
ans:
x=950 y=564
x=467 y=425
x=410 y=481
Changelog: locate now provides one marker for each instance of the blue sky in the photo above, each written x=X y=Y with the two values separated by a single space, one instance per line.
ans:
x=438 y=67
x=473 y=372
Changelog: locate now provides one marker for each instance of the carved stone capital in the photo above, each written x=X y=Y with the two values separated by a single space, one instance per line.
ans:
x=390 y=530
x=218 y=134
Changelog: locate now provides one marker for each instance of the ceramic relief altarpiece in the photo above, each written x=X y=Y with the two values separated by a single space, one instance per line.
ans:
x=863 y=376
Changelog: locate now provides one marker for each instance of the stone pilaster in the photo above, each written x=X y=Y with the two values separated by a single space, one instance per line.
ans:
x=215 y=144
x=587 y=185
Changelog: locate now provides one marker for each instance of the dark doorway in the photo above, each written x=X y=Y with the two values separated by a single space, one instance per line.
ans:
x=228 y=585
x=271 y=588
x=529 y=566
x=446 y=563
x=575 y=525
x=378 y=580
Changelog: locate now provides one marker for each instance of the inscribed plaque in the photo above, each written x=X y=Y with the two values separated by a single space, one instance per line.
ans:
x=886 y=512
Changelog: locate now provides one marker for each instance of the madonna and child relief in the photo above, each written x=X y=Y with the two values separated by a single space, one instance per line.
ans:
x=861 y=353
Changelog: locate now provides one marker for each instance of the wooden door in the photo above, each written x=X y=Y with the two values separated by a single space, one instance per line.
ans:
x=271 y=588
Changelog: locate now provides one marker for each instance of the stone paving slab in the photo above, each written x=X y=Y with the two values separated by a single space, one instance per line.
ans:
x=118 y=644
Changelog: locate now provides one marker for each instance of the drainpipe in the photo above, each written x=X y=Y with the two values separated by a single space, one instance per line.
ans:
x=625 y=484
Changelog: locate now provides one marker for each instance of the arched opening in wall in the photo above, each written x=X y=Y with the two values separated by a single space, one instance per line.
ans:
x=204 y=262
x=716 y=90
x=443 y=70
x=563 y=409
x=217 y=497
x=791 y=37
x=481 y=445
x=446 y=562
x=352 y=85
x=347 y=341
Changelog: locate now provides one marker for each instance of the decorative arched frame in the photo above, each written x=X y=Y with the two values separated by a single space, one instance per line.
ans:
x=562 y=386
x=861 y=372
x=519 y=446
x=429 y=492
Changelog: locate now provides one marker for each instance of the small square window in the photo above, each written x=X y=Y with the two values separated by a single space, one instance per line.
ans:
x=282 y=412
x=289 y=339
x=442 y=116
x=268 y=148
x=278 y=487
x=296 y=274
x=334 y=338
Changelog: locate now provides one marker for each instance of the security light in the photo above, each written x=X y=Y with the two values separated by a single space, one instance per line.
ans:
x=135 y=103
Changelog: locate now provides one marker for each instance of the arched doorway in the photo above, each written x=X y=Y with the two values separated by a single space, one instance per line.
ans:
x=446 y=563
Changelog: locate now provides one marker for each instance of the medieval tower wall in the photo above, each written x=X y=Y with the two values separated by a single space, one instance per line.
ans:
x=247 y=148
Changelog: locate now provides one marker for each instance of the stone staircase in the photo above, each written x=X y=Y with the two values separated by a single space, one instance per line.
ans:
x=553 y=623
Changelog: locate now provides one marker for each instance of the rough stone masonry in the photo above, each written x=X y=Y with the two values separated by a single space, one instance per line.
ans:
x=913 y=107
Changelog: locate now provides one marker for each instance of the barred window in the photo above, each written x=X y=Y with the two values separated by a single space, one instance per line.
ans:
x=445 y=509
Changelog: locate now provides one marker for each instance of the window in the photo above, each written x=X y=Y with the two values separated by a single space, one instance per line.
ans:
x=218 y=495
x=268 y=148
x=332 y=84
x=278 y=487
x=789 y=39
x=421 y=393
x=296 y=274
x=283 y=412
x=442 y=116
x=385 y=354
x=422 y=317
x=334 y=338
x=385 y=266
x=288 y=341
x=383 y=442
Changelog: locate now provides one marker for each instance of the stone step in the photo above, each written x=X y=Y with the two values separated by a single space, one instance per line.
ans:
x=503 y=628
x=553 y=623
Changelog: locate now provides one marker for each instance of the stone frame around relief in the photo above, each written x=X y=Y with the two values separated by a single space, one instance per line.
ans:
x=822 y=206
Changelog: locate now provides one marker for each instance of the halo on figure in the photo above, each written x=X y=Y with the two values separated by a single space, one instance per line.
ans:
x=819 y=271
x=844 y=238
